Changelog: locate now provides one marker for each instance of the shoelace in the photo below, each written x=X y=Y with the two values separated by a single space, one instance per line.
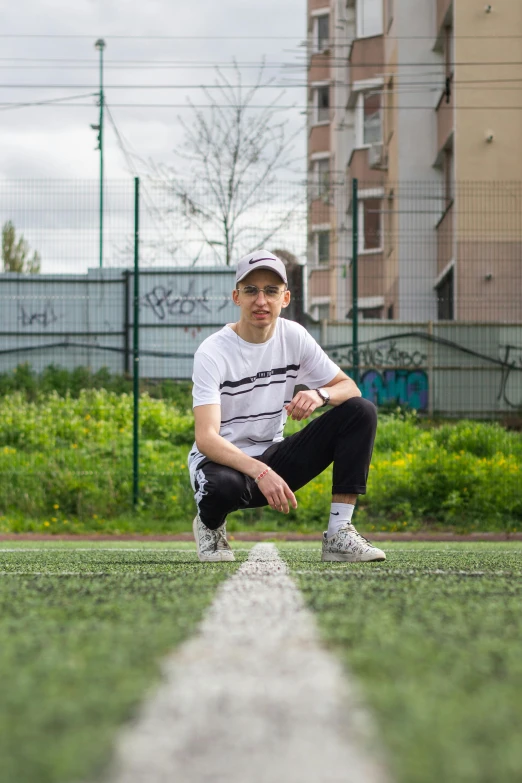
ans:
x=359 y=536
x=222 y=542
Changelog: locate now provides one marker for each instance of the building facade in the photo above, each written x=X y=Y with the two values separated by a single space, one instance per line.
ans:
x=419 y=100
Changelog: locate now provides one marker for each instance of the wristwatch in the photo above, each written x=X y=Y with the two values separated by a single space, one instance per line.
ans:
x=324 y=395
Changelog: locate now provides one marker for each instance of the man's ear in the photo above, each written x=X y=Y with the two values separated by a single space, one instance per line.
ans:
x=286 y=298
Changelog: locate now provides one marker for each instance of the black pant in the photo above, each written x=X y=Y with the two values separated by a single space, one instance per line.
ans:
x=344 y=435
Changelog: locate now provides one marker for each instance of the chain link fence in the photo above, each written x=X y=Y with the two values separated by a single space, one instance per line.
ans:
x=413 y=289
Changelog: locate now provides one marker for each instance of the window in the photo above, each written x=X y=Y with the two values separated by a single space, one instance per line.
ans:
x=370 y=216
x=372 y=125
x=445 y=298
x=323 y=247
x=322 y=104
x=369 y=18
x=390 y=110
x=322 y=32
x=321 y=178
x=322 y=312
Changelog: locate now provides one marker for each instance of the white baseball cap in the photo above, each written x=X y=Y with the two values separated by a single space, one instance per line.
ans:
x=261 y=259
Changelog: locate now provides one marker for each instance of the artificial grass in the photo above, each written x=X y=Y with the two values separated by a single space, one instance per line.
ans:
x=81 y=636
x=434 y=637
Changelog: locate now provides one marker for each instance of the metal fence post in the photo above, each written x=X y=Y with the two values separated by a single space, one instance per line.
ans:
x=136 y=348
x=355 y=253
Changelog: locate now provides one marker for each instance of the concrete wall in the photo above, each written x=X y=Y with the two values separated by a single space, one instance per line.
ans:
x=454 y=369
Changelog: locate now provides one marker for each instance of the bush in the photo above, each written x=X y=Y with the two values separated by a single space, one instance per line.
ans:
x=72 y=382
x=67 y=458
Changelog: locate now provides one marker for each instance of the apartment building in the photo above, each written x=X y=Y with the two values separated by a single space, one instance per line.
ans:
x=411 y=99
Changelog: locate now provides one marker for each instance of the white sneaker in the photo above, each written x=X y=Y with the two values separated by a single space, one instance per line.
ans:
x=347 y=545
x=212 y=545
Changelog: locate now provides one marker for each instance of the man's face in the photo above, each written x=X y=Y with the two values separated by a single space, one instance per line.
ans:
x=261 y=310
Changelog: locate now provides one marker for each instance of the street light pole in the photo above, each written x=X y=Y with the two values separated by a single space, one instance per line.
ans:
x=100 y=46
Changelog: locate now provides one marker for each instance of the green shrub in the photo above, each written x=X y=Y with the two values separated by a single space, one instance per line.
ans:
x=71 y=382
x=67 y=458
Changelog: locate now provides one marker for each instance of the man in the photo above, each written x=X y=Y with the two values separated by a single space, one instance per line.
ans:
x=244 y=379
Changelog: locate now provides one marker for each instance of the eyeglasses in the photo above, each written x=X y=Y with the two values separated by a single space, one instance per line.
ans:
x=272 y=292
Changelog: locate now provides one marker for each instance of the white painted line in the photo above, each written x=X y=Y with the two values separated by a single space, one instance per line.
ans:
x=252 y=698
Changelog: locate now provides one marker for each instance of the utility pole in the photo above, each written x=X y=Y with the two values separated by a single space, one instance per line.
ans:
x=100 y=46
x=355 y=278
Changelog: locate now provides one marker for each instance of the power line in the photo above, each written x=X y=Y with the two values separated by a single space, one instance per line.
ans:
x=7 y=106
x=348 y=38
x=438 y=79
x=151 y=208
x=145 y=86
x=302 y=107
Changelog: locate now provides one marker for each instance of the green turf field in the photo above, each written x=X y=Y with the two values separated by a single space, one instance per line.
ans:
x=434 y=636
x=82 y=628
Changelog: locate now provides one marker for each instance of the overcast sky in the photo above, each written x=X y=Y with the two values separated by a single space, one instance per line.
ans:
x=56 y=141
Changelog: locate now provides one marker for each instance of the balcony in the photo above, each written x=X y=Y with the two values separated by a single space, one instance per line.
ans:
x=370 y=277
x=319 y=68
x=366 y=58
x=316 y=5
x=319 y=212
x=358 y=167
x=319 y=139
x=319 y=282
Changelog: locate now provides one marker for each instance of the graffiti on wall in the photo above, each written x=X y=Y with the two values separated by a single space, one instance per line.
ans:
x=39 y=315
x=395 y=377
x=385 y=353
x=167 y=302
x=510 y=387
x=408 y=388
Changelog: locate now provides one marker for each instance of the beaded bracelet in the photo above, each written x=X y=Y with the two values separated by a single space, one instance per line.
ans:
x=262 y=475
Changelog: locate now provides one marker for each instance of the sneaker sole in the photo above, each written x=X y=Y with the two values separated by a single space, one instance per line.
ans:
x=339 y=558
x=218 y=557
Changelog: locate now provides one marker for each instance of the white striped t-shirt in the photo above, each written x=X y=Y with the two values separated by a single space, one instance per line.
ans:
x=253 y=381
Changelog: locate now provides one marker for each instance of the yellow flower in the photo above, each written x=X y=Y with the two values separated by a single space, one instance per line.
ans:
x=87 y=417
x=46 y=524
x=74 y=445
x=53 y=519
x=56 y=505
x=173 y=497
x=183 y=466
x=65 y=522
x=95 y=516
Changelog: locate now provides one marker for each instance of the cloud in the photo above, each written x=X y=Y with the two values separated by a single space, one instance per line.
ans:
x=57 y=141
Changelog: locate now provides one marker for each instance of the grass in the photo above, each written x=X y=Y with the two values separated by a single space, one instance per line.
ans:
x=434 y=637
x=82 y=631
x=66 y=466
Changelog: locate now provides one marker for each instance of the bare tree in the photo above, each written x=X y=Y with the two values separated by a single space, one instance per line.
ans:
x=16 y=255
x=235 y=154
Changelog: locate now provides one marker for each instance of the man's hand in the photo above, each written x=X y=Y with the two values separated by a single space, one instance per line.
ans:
x=304 y=404
x=277 y=492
